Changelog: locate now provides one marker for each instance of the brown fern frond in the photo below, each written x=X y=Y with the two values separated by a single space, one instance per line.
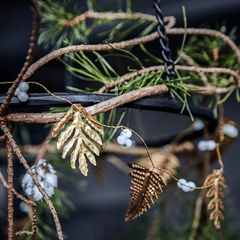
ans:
x=216 y=192
x=146 y=187
x=83 y=138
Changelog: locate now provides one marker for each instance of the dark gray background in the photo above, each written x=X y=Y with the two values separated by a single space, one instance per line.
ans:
x=101 y=208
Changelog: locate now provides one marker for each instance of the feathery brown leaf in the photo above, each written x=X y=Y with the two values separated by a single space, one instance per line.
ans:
x=146 y=187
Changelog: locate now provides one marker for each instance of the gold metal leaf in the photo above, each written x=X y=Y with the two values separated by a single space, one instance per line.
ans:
x=59 y=125
x=79 y=137
x=146 y=187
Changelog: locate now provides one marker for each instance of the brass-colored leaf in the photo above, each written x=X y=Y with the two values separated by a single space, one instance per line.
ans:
x=146 y=187
x=59 y=125
x=79 y=137
x=216 y=192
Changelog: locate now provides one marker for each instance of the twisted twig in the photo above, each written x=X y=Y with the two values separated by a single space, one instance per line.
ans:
x=33 y=43
x=34 y=178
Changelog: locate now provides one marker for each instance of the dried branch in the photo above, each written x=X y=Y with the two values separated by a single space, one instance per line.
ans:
x=93 y=110
x=31 y=50
x=34 y=178
x=170 y=20
x=32 y=204
x=10 y=185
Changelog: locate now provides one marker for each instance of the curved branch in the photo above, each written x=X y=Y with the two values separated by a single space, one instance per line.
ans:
x=178 y=67
x=209 y=32
x=86 y=48
x=170 y=20
x=31 y=50
x=93 y=110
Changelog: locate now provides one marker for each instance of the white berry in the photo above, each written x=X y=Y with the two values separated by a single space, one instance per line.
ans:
x=128 y=143
x=127 y=133
x=17 y=91
x=211 y=145
x=230 y=130
x=185 y=188
x=180 y=182
x=198 y=125
x=122 y=139
x=23 y=86
x=191 y=186
x=202 y=145
x=22 y=97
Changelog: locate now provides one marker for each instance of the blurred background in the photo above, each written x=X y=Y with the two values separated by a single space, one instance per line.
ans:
x=100 y=208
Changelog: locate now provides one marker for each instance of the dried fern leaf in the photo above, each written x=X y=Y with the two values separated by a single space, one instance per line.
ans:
x=79 y=137
x=146 y=187
x=216 y=192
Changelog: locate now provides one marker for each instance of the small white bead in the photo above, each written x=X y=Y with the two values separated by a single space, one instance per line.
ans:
x=198 y=125
x=17 y=91
x=180 y=182
x=122 y=139
x=230 y=130
x=127 y=133
x=23 y=86
x=211 y=145
x=22 y=97
x=128 y=143
x=202 y=145
x=185 y=188
x=191 y=186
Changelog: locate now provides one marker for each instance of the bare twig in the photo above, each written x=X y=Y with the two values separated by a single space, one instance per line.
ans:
x=93 y=110
x=197 y=215
x=34 y=178
x=18 y=195
x=170 y=20
x=10 y=193
x=32 y=204
x=33 y=43
x=86 y=48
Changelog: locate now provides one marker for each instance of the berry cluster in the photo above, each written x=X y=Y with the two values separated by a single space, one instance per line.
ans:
x=21 y=92
x=206 y=145
x=124 y=138
x=186 y=186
